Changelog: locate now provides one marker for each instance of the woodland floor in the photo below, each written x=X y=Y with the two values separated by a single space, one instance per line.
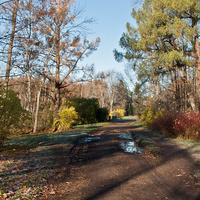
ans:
x=101 y=170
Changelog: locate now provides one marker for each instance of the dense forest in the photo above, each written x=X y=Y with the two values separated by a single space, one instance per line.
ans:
x=42 y=83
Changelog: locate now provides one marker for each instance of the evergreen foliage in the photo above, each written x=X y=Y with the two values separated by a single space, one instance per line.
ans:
x=88 y=110
x=102 y=114
x=165 y=44
x=12 y=115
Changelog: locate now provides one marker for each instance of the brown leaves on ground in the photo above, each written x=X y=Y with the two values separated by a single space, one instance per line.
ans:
x=24 y=174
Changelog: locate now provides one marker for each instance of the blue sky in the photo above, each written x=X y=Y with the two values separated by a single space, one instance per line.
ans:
x=111 y=18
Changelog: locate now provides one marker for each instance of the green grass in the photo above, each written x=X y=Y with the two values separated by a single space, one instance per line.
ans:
x=48 y=139
x=192 y=147
x=194 y=150
x=196 y=175
x=30 y=159
x=137 y=123
x=145 y=142
x=129 y=117
x=95 y=125
x=188 y=143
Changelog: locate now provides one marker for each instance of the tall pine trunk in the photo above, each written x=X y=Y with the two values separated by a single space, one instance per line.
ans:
x=198 y=68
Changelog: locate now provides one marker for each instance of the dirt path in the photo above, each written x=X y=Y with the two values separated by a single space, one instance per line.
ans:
x=101 y=170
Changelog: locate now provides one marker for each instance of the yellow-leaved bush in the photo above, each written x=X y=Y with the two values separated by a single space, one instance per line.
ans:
x=150 y=114
x=67 y=116
x=119 y=113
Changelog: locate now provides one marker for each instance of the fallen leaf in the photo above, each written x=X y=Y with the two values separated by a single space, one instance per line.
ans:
x=52 y=192
x=179 y=175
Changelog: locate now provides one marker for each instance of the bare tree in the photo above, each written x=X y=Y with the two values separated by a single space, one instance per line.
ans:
x=9 y=65
x=62 y=32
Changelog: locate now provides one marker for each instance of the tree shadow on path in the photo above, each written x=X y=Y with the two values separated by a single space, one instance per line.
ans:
x=109 y=173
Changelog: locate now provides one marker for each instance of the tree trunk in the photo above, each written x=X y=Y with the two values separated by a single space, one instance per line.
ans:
x=157 y=88
x=37 y=111
x=81 y=93
x=29 y=91
x=198 y=67
x=28 y=75
x=102 y=102
x=57 y=98
x=57 y=81
x=8 y=68
x=111 y=99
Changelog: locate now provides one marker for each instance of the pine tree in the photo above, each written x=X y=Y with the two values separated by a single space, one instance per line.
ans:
x=165 y=42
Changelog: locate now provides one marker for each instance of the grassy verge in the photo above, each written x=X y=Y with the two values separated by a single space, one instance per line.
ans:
x=40 y=140
x=192 y=147
x=145 y=142
x=95 y=125
x=137 y=125
x=129 y=117
x=26 y=162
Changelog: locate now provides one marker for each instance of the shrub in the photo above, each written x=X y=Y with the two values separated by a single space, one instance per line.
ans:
x=119 y=113
x=85 y=109
x=183 y=125
x=12 y=115
x=187 y=126
x=102 y=114
x=165 y=124
x=46 y=116
x=67 y=115
x=150 y=114
x=88 y=110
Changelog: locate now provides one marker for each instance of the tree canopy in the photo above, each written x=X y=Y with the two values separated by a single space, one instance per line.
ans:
x=165 y=42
